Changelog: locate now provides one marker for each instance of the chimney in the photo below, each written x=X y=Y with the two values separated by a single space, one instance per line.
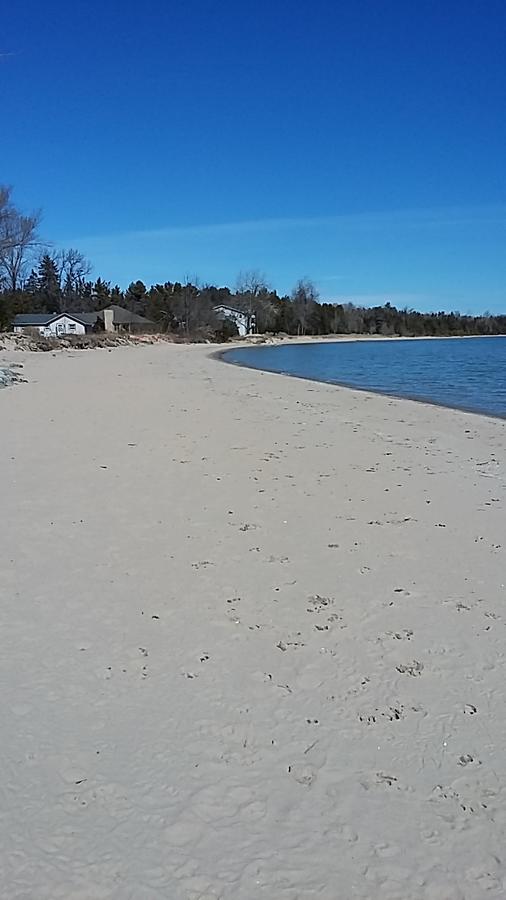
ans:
x=108 y=319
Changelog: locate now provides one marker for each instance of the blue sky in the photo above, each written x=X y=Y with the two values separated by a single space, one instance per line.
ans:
x=360 y=143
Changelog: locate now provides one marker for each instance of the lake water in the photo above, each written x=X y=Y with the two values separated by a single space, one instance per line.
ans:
x=467 y=373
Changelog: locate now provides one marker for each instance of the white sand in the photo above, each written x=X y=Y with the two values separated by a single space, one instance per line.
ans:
x=253 y=637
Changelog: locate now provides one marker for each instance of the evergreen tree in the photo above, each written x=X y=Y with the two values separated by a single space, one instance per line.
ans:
x=31 y=285
x=49 y=284
x=136 y=297
x=117 y=295
x=101 y=293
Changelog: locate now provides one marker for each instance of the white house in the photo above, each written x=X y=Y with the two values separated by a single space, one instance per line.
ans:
x=115 y=318
x=244 y=323
x=56 y=324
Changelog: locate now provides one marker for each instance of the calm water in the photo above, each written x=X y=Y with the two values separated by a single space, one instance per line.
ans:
x=469 y=373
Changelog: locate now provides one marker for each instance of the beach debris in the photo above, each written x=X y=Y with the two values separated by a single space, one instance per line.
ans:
x=318 y=603
x=8 y=377
x=392 y=713
x=284 y=645
x=466 y=759
x=368 y=719
x=413 y=668
x=382 y=778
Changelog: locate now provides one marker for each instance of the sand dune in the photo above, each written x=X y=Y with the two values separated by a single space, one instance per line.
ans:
x=253 y=637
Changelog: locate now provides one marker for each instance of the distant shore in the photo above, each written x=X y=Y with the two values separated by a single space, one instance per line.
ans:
x=254 y=635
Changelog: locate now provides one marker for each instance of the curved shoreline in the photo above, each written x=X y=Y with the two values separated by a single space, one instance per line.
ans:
x=222 y=354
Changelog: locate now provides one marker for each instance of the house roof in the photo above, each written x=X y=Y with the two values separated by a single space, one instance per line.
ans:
x=122 y=316
x=28 y=319
x=86 y=318
x=233 y=309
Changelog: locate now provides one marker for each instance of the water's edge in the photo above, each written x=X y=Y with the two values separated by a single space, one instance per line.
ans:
x=221 y=356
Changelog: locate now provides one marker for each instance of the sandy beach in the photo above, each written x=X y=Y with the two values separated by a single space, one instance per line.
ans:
x=253 y=636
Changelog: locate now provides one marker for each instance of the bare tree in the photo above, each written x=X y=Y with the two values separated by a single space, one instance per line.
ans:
x=192 y=307
x=304 y=298
x=73 y=268
x=18 y=240
x=252 y=296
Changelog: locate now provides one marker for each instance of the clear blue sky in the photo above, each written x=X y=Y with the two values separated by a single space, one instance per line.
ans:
x=361 y=143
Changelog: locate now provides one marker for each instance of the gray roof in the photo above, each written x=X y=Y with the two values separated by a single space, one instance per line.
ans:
x=122 y=316
x=34 y=318
x=27 y=319
x=86 y=318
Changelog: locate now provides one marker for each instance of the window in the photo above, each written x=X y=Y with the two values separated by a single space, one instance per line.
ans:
x=72 y=327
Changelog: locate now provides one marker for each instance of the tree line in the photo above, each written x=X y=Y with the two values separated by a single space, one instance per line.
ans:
x=36 y=278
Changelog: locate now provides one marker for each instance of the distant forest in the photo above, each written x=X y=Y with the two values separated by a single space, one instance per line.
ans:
x=36 y=278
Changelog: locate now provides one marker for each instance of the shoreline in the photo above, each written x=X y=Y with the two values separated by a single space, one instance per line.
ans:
x=221 y=354
x=254 y=636
x=249 y=340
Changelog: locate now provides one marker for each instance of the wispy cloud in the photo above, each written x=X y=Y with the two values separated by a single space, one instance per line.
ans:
x=435 y=217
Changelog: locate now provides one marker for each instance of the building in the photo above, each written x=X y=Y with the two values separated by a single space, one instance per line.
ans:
x=56 y=324
x=115 y=318
x=244 y=322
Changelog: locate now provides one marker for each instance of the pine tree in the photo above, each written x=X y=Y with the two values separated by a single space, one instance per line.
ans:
x=117 y=295
x=101 y=293
x=49 y=284
x=31 y=285
x=136 y=297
